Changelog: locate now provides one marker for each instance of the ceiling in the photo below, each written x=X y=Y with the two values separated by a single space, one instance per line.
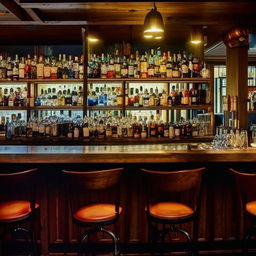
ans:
x=55 y=21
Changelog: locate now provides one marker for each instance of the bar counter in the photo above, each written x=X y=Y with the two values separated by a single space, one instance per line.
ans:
x=219 y=226
x=156 y=153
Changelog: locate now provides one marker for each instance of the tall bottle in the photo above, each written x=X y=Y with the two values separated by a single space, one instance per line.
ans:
x=40 y=68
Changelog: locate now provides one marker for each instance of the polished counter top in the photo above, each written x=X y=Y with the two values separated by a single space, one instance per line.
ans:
x=153 y=153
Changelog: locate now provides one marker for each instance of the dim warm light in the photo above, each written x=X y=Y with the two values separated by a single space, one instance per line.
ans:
x=148 y=36
x=196 y=35
x=93 y=39
x=158 y=37
x=196 y=42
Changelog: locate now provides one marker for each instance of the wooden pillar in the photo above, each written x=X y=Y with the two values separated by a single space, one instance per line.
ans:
x=237 y=79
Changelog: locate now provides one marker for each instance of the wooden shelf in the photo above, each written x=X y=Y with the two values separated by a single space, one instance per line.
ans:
x=251 y=111
x=104 y=108
x=42 y=81
x=178 y=107
x=13 y=108
x=56 y=108
x=92 y=80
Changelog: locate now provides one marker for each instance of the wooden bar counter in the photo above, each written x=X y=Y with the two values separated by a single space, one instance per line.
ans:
x=220 y=223
x=161 y=153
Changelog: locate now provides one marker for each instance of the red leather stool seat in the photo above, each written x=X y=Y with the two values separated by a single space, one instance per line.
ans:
x=251 y=207
x=96 y=213
x=14 y=210
x=170 y=211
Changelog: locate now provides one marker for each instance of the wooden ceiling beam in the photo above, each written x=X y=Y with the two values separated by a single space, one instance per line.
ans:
x=16 y=10
x=35 y=14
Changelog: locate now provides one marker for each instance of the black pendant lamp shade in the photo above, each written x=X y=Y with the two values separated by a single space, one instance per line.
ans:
x=153 y=24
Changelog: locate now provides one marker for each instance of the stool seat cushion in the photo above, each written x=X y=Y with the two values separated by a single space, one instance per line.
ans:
x=251 y=207
x=170 y=211
x=12 y=211
x=96 y=213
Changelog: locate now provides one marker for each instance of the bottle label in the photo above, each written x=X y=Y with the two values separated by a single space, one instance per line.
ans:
x=166 y=133
x=177 y=132
x=124 y=72
x=47 y=71
x=169 y=73
x=131 y=70
x=150 y=72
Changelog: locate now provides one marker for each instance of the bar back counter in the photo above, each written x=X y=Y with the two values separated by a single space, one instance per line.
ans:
x=218 y=228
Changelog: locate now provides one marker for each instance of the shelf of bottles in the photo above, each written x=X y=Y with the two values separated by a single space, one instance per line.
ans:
x=148 y=94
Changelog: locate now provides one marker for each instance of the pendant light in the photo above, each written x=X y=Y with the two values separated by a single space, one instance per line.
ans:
x=153 y=24
x=196 y=35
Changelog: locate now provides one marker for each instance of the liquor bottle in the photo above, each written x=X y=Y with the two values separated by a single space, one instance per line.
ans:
x=151 y=65
x=40 y=68
x=54 y=99
x=143 y=67
x=152 y=97
x=108 y=131
x=137 y=67
x=205 y=72
x=185 y=67
x=163 y=99
x=15 y=71
x=166 y=130
x=194 y=96
x=124 y=69
x=28 y=67
x=176 y=72
x=9 y=68
x=75 y=67
x=86 y=130
x=117 y=65
x=136 y=98
x=59 y=67
x=22 y=68
x=111 y=69
x=47 y=68
x=68 y=98
x=163 y=66
x=169 y=65
x=103 y=67
x=196 y=67
x=71 y=74
x=153 y=131
x=64 y=65
x=146 y=98
x=141 y=97
x=33 y=68
x=131 y=67
x=74 y=97
x=177 y=130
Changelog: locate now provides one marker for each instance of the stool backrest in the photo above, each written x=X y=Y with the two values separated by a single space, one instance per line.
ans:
x=84 y=182
x=19 y=186
x=171 y=182
x=246 y=184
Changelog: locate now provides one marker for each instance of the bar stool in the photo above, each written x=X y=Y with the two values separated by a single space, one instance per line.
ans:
x=162 y=209
x=93 y=214
x=246 y=186
x=18 y=206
